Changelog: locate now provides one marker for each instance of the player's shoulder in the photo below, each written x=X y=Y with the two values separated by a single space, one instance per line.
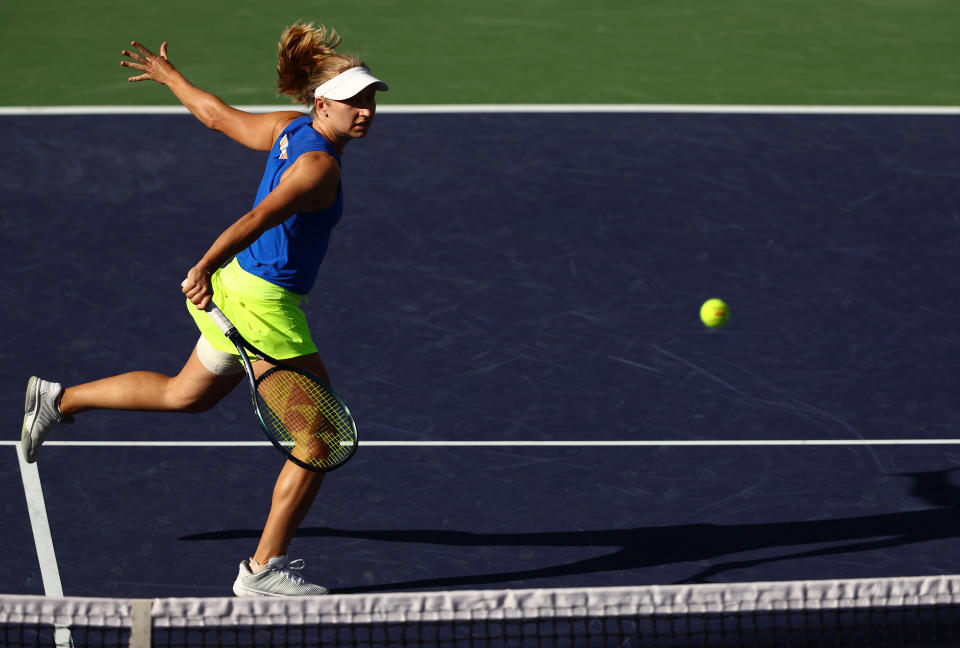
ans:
x=283 y=120
x=318 y=159
x=315 y=168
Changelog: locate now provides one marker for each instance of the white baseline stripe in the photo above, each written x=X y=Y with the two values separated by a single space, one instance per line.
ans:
x=49 y=572
x=514 y=108
x=711 y=443
x=673 y=108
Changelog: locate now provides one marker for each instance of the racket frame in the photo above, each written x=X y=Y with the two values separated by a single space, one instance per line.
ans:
x=232 y=334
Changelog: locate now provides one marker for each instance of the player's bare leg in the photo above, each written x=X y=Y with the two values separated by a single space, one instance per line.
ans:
x=270 y=572
x=194 y=389
x=49 y=405
x=296 y=487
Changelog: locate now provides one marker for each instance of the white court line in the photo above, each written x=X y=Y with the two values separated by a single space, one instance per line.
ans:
x=515 y=108
x=43 y=541
x=654 y=443
x=49 y=572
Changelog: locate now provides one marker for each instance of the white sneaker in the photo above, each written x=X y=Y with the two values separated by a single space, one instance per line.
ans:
x=41 y=414
x=278 y=579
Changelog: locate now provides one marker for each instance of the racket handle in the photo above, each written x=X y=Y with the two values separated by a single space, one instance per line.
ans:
x=220 y=319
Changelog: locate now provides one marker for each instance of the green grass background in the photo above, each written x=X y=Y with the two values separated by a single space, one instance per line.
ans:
x=804 y=52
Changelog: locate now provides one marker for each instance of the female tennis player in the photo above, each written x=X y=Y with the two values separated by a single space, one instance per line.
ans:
x=258 y=269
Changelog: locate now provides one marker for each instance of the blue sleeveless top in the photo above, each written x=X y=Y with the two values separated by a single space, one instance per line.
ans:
x=290 y=254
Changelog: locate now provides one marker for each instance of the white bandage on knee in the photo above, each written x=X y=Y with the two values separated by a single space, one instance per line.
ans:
x=217 y=362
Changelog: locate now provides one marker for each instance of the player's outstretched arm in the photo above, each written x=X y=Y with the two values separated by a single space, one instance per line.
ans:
x=256 y=131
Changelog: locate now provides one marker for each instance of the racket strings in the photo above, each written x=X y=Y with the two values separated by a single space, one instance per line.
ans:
x=304 y=416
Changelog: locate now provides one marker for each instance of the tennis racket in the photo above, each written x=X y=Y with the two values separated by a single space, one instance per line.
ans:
x=300 y=414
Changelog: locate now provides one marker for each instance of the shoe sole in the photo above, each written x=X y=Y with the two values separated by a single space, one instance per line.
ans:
x=29 y=407
x=243 y=592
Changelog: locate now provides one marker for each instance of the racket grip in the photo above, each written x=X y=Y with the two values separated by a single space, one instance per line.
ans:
x=220 y=319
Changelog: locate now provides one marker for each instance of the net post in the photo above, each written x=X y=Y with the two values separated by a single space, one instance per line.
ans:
x=141 y=623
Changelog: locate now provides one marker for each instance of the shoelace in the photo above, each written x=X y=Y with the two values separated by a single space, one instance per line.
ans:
x=288 y=569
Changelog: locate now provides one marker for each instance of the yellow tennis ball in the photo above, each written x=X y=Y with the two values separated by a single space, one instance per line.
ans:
x=714 y=313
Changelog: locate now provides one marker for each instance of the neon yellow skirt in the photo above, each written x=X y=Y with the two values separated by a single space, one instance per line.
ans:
x=268 y=316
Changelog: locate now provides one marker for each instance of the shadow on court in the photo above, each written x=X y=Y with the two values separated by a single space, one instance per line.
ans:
x=650 y=546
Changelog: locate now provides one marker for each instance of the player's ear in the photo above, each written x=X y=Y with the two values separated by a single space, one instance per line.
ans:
x=319 y=107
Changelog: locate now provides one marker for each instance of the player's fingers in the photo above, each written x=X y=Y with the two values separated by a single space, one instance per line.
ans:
x=131 y=64
x=142 y=77
x=191 y=288
x=163 y=50
x=197 y=294
x=143 y=48
x=132 y=55
x=198 y=298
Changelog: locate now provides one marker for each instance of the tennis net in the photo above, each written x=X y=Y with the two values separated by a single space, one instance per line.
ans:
x=865 y=612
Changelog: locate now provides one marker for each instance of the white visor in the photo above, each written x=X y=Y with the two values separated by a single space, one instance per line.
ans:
x=348 y=84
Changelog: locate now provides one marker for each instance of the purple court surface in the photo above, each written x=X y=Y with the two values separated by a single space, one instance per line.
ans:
x=510 y=307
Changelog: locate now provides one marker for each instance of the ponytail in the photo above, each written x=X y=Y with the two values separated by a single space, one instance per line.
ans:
x=307 y=57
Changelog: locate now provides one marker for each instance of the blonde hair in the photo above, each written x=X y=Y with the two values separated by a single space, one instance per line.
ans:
x=307 y=57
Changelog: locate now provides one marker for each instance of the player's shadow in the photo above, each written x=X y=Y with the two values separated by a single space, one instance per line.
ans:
x=649 y=546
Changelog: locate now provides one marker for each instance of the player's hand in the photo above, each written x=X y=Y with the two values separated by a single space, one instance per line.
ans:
x=154 y=67
x=197 y=288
